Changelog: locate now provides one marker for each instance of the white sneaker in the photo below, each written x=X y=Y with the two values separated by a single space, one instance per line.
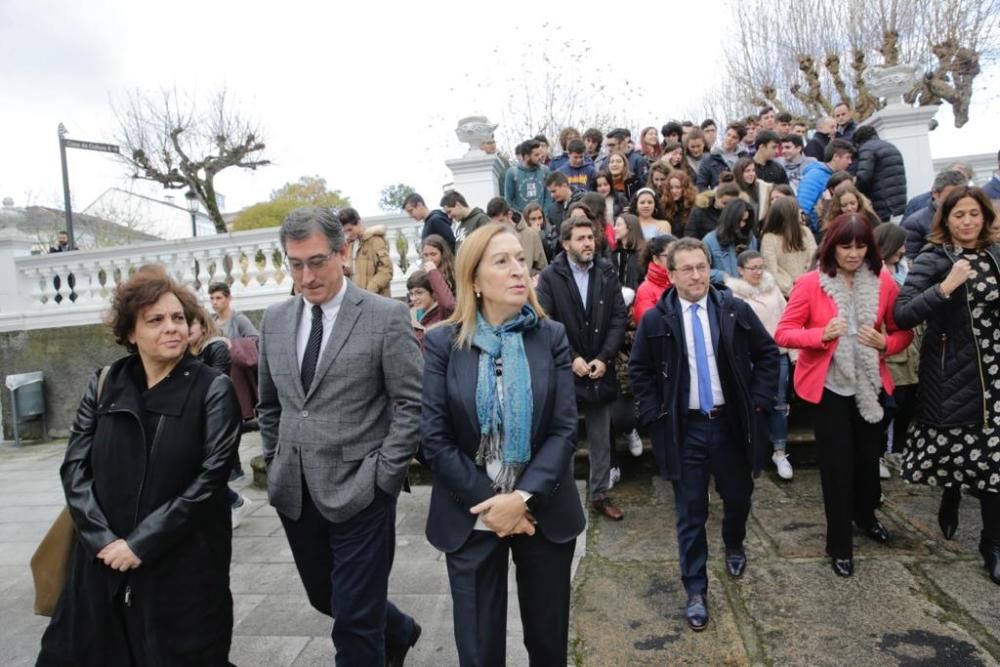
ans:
x=614 y=477
x=634 y=443
x=883 y=470
x=784 y=467
x=239 y=510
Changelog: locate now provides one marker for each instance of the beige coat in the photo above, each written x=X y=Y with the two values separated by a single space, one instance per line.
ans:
x=766 y=301
x=786 y=267
x=531 y=242
x=371 y=268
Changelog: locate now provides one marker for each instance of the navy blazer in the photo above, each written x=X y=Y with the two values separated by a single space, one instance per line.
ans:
x=747 y=360
x=450 y=431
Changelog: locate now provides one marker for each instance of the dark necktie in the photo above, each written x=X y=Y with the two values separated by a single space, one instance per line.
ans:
x=311 y=357
x=705 y=399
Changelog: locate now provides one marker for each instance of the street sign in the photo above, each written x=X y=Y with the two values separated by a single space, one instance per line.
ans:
x=91 y=146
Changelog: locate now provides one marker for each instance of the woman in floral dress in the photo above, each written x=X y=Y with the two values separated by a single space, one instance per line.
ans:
x=954 y=286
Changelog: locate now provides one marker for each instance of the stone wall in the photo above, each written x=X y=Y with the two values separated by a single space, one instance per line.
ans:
x=68 y=356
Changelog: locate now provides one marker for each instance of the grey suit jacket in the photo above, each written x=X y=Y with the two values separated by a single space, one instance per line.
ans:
x=358 y=425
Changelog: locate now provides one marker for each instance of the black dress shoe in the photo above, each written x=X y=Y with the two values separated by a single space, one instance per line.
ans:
x=696 y=612
x=948 y=512
x=878 y=533
x=395 y=655
x=991 y=557
x=736 y=562
x=843 y=567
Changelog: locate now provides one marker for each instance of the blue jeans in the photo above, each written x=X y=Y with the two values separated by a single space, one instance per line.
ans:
x=778 y=419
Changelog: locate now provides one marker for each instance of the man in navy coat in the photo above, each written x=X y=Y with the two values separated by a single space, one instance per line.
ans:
x=704 y=370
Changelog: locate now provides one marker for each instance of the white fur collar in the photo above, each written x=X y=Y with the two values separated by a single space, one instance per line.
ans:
x=744 y=289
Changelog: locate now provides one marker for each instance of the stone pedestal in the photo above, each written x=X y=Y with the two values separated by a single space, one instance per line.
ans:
x=12 y=244
x=908 y=128
x=477 y=177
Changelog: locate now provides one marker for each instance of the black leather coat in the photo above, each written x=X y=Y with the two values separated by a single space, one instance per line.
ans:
x=165 y=494
x=951 y=381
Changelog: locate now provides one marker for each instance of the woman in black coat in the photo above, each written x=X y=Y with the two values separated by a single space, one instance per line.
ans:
x=145 y=480
x=503 y=478
x=954 y=438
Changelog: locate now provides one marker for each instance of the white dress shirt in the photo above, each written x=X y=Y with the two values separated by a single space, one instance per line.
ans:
x=713 y=368
x=330 y=310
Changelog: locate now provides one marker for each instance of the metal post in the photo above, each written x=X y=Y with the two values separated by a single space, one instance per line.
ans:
x=194 y=225
x=65 y=179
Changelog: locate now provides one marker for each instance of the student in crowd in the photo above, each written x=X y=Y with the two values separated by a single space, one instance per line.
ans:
x=242 y=336
x=679 y=201
x=672 y=132
x=953 y=288
x=525 y=181
x=657 y=280
x=431 y=301
x=846 y=124
x=745 y=173
x=579 y=170
x=566 y=135
x=368 y=263
x=140 y=481
x=733 y=235
x=722 y=158
x=757 y=287
x=604 y=226
x=434 y=249
x=695 y=150
x=708 y=207
x=836 y=317
x=592 y=141
x=623 y=180
x=658 y=175
x=615 y=202
x=792 y=160
x=846 y=198
x=647 y=210
x=561 y=195
x=435 y=222
x=549 y=233
x=880 y=173
x=467 y=219
x=581 y=291
x=838 y=157
x=711 y=131
x=786 y=243
x=826 y=128
x=673 y=156
x=531 y=241
x=767 y=145
x=629 y=243
x=650 y=145
x=503 y=478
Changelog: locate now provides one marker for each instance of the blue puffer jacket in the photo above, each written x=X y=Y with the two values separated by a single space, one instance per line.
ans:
x=723 y=257
x=814 y=180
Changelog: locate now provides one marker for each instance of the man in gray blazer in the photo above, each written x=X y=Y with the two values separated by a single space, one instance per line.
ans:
x=339 y=414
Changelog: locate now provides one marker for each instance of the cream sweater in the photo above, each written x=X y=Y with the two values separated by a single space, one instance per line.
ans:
x=786 y=267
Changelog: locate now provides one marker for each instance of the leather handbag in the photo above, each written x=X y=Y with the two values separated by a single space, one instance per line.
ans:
x=50 y=562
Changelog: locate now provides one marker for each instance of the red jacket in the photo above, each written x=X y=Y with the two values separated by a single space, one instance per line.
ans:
x=652 y=288
x=809 y=310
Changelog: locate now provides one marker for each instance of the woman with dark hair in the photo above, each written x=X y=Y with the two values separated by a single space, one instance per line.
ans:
x=650 y=144
x=836 y=178
x=835 y=317
x=657 y=281
x=730 y=238
x=679 y=201
x=657 y=180
x=786 y=243
x=629 y=243
x=954 y=287
x=673 y=156
x=535 y=218
x=436 y=250
x=846 y=198
x=745 y=171
x=646 y=208
x=499 y=424
x=604 y=226
x=623 y=181
x=614 y=202
x=145 y=476
x=431 y=301
x=708 y=207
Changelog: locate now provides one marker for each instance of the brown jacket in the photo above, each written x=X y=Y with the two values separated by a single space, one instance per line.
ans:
x=531 y=242
x=371 y=268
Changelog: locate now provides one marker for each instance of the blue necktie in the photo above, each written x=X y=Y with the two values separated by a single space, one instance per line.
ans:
x=705 y=401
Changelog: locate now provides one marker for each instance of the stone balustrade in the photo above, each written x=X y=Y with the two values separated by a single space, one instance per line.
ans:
x=65 y=289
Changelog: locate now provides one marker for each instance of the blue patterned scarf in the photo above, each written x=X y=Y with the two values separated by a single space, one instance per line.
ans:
x=504 y=426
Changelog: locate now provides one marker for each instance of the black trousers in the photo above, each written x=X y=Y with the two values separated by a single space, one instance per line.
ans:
x=711 y=447
x=849 y=448
x=477 y=573
x=989 y=507
x=345 y=570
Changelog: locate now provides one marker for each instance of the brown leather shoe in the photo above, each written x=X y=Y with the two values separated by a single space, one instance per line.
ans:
x=608 y=508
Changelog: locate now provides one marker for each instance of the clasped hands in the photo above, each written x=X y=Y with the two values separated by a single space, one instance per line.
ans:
x=506 y=514
x=867 y=335
x=118 y=556
x=595 y=369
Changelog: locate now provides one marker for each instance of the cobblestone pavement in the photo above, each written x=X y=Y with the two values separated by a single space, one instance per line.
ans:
x=920 y=600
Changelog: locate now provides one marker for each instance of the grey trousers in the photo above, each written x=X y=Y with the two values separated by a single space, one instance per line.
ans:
x=597 y=418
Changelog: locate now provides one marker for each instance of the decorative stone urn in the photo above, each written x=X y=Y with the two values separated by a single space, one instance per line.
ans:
x=891 y=82
x=474 y=130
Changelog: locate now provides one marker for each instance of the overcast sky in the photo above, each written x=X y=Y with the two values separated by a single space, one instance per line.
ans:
x=363 y=93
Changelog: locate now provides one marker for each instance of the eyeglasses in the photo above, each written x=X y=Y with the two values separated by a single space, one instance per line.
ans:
x=315 y=263
x=691 y=270
x=417 y=292
x=753 y=268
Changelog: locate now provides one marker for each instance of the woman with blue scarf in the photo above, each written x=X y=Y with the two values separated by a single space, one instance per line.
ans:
x=499 y=430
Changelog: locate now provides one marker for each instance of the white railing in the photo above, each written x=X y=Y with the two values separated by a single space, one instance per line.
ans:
x=64 y=289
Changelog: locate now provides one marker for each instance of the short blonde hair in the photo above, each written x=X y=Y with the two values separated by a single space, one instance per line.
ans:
x=470 y=255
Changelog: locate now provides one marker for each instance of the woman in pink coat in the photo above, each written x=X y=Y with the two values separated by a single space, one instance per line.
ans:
x=836 y=316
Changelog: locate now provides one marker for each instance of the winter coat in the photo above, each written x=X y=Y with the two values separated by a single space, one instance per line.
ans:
x=951 y=380
x=444 y=306
x=992 y=187
x=167 y=499
x=808 y=312
x=816 y=147
x=438 y=222
x=747 y=361
x=723 y=257
x=637 y=164
x=771 y=172
x=704 y=217
x=711 y=167
x=918 y=226
x=470 y=223
x=215 y=354
x=810 y=192
x=916 y=203
x=652 y=288
x=521 y=186
x=793 y=170
x=555 y=212
x=786 y=266
x=581 y=179
x=371 y=267
x=847 y=131
x=766 y=300
x=881 y=176
x=531 y=243
x=627 y=266
x=595 y=332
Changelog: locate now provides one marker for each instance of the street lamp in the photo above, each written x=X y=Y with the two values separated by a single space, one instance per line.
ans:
x=192 y=204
